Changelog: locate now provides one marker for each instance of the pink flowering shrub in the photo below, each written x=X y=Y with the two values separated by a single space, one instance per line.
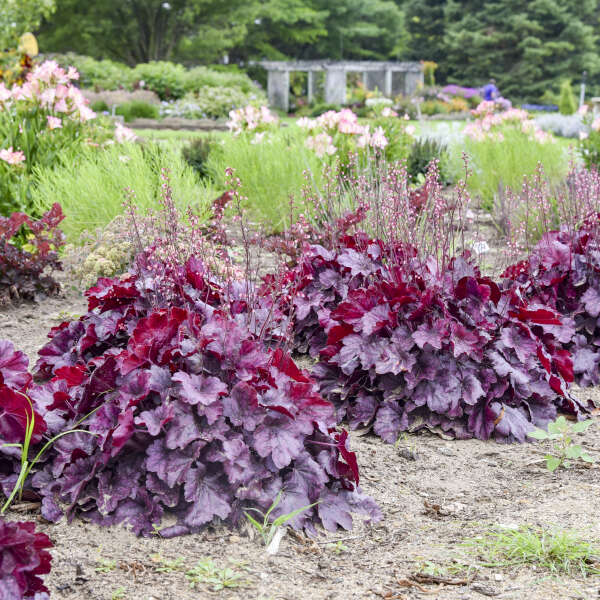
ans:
x=45 y=116
x=339 y=135
x=490 y=123
x=251 y=119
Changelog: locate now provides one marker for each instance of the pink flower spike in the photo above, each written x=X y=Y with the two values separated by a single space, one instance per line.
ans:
x=12 y=158
x=54 y=122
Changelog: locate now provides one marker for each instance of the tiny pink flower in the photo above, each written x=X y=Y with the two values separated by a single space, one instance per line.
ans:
x=61 y=106
x=73 y=73
x=12 y=158
x=54 y=122
x=86 y=114
x=124 y=134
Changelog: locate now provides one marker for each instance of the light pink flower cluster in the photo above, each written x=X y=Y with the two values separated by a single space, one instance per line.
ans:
x=321 y=144
x=12 y=158
x=489 y=121
x=250 y=118
x=344 y=122
x=124 y=134
x=50 y=87
x=596 y=124
x=376 y=139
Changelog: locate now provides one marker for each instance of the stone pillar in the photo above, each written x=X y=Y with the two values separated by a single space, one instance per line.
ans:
x=387 y=88
x=412 y=82
x=278 y=89
x=311 y=86
x=335 y=86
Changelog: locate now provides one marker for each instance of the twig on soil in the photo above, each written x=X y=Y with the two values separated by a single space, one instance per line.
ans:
x=345 y=539
x=413 y=584
x=425 y=578
x=25 y=506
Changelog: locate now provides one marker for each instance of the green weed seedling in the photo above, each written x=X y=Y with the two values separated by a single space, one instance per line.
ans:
x=207 y=573
x=106 y=566
x=556 y=551
x=118 y=594
x=268 y=529
x=337 y=548
x=561 y=432
x=168 y=566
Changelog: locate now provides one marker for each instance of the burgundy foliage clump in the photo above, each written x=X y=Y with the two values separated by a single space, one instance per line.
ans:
x=22 y=269
x=15 y=412
x=407 y=349
x=23 y=558
x=189 y=412
x=563 y=273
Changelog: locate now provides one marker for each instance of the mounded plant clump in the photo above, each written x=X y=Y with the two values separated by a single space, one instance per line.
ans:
x=563 y=273
x=408 y=347
x=185 y=411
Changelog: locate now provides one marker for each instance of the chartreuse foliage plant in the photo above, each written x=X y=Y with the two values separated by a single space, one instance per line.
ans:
x=81 y=181
x=564 y=449
x=271 y=171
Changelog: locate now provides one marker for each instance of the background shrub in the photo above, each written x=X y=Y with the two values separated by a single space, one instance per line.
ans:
x=212 y=103
x=137 y=109
x=567 y=104
x=422 y=152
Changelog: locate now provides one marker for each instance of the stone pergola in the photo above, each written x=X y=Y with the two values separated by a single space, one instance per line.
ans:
x=391 y=78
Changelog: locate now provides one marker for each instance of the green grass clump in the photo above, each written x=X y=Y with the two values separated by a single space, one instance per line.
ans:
x=270 y=171
x=555 y=550
x=498 y=164
x=91 y=186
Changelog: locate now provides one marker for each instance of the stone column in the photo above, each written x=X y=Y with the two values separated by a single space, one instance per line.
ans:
x=387 y=88
x=278 y=89
x=335 y=86
x=311 y=86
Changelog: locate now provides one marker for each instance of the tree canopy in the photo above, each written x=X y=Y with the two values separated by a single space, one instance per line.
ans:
x=528 y=47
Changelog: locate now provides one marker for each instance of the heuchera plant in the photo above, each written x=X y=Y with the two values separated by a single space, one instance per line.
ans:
x=422 y=348
x=563 y=273
x=191 y=415
x=23 y=554
x=23 y=265
x=23 y=558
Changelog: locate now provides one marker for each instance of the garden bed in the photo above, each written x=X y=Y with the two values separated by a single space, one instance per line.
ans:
x=434 y=494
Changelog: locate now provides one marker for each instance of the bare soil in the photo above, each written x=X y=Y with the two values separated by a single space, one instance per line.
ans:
x=434 y=494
